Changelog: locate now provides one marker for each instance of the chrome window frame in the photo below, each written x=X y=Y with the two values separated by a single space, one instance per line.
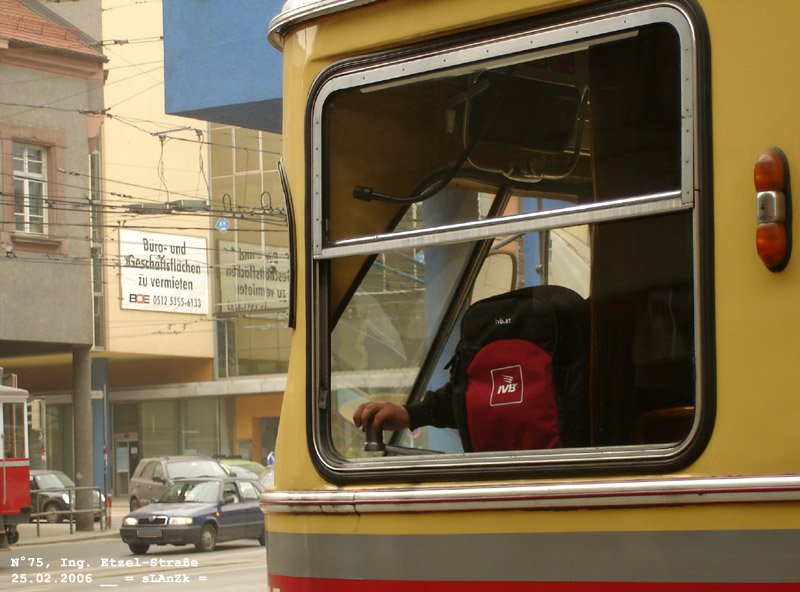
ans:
x=509 y=49
x=515 y=47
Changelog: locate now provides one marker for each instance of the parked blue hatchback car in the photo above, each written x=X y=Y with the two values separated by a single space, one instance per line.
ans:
x=199 y=512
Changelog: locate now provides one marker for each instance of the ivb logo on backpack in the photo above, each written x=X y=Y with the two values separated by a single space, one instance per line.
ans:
x=507 y=386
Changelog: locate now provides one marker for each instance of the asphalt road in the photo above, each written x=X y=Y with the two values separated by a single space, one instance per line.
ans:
x=108 y=564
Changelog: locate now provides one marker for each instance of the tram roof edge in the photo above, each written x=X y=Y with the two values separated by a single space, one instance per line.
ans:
x=296 y=12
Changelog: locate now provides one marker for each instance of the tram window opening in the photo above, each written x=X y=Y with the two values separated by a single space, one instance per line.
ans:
x=14 y=430
x=570 y=169
x=635 y=277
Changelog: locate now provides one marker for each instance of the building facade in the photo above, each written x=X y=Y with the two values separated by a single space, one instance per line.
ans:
x=161 y=250
x=51 y=115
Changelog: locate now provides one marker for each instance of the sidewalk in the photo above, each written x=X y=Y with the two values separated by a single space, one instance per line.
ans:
x=59 y=533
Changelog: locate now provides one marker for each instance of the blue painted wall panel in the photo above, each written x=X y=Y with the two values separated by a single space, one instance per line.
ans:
x=218 y=64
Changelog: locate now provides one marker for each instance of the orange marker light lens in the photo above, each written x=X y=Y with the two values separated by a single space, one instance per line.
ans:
x=773 y=209
x=768 y=173
x=771 y=242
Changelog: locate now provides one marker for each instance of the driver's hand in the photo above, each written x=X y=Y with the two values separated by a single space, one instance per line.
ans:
x=386 y=416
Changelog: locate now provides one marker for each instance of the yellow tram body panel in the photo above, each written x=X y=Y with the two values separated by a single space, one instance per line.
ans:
x=753 y=107
x=783 y=516
x=755 y=318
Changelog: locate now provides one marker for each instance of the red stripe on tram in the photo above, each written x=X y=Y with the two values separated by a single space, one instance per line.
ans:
x=294 y=584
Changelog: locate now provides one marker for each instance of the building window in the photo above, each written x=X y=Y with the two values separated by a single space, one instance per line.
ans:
x=30 y=188
x=252 y=296
x=98 y=279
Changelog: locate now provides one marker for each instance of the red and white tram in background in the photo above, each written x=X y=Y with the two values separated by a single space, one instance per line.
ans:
x=15 y=493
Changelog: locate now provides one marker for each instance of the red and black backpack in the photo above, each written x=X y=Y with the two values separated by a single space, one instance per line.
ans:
x=519 y=375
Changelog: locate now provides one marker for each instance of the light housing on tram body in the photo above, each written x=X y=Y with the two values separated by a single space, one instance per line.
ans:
x=773 y=209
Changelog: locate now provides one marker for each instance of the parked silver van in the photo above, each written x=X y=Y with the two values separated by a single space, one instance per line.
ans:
x=153 y=476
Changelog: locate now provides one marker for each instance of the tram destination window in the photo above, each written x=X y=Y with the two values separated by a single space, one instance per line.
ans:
x=547 y=177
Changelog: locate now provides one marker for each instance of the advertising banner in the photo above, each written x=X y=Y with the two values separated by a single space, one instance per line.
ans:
x=163 y=272
x=253 y=278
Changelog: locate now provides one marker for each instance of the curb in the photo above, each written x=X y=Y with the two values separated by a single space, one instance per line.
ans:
x=29 y=541
x=69 y=538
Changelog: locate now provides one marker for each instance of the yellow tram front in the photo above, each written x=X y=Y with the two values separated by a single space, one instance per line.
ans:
x=526 y=266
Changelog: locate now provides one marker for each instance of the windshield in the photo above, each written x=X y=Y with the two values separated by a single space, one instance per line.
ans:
x=54 y=481
x=192 y=491
x=194 y=468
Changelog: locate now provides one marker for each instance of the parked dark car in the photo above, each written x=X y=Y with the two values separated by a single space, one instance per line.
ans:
x=199 y=512
x=153 y=476
x=52 y=496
